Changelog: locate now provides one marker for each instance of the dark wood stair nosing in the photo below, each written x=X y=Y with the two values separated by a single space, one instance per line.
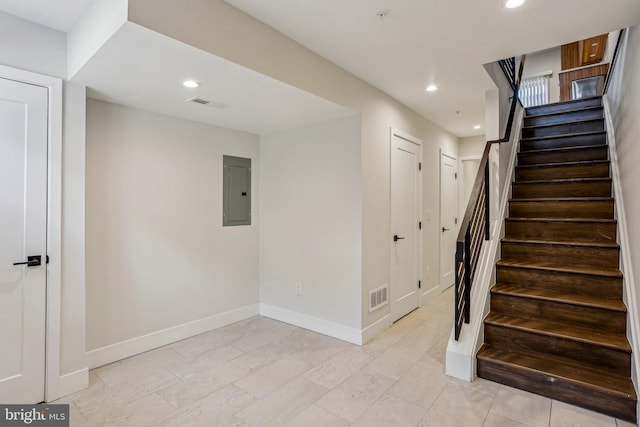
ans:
x=563 y=336
x=565 y=164
x=592 y=385
x=560 y=149
x=563 y=180
x=599 y=272
x=564 y=220
x=564 y=135
x=573 y=122
x=561 y=243
x=498 y=289
x=563 y=112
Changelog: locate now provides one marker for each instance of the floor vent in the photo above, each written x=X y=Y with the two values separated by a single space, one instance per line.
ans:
x=378 y=298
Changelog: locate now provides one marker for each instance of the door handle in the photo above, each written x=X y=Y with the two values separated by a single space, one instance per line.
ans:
x=32 y=261
x=396 y=238
x=445 y=229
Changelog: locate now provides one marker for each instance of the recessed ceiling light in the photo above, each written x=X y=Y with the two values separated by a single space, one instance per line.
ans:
x=513 y=3
x=432 y=88
x=191 y=83
x=477 y=127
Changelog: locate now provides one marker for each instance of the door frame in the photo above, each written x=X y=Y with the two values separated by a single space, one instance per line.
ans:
x=454 y=157
x=54 y=221
x=401 y=134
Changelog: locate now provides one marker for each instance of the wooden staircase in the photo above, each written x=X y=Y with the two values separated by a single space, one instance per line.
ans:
x=557 y=323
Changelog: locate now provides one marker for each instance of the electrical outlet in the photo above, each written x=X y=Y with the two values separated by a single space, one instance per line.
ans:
x=298 y=288
x=428 y=216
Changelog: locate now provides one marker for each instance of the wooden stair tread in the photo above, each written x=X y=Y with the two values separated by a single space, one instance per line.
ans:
x=606 y=272
x=565 y=199
x=561 y=243
x=563 y=181
x=571 y=101
x=567 y=220
x=602 y=381
x=574 y=122
x=608 y=340
x=564 y=164
x=560 y=113
x=563 y=149
x=564 y=135
x=559 y=296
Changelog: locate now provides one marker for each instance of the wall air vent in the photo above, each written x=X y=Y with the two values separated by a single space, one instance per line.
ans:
x=378 y=298
x=206 y=102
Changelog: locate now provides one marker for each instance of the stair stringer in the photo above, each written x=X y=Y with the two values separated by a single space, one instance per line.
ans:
x=629 y=291
x=461 y=359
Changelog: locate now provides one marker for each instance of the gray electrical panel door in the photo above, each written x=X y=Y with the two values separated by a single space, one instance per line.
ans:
x=236 y=182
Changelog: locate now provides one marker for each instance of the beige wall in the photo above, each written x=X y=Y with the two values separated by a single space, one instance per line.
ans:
x=310 y=217
x=157 y=255
x=217 y=27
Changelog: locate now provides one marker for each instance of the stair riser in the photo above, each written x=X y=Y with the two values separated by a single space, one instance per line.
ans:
x=564 y=117
x=582 y=284
x=558 y=388
x=563 y=129
x=561 y=209
x=596 y=319
x=561 y=189
x=556 y=108
x=562 y=172
x=579 y=256
x=586 y=232
x=616 y=362
x=582 y=155
x=564 y=142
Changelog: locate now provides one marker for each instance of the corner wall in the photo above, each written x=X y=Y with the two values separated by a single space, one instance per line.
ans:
x=160 y=266
x=310 y=217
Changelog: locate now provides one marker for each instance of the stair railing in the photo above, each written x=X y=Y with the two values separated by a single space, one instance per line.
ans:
x=475 y=226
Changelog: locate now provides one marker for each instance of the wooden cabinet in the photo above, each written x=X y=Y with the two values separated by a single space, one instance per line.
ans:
x=584 y=52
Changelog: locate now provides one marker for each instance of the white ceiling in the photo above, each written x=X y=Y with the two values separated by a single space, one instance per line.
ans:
x=419 y=42
x=445 y=42
x=144 y=69
x=56 y=14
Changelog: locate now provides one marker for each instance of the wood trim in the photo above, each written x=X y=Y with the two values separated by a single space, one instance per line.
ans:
x=567 y=77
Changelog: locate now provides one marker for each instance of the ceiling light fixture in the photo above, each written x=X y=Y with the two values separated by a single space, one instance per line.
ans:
x=513 y=3
x=477 y=127
x=191 y=84
x=432 y=88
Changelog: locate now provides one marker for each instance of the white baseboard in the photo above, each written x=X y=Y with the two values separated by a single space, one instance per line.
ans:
x=315 y=324
x=131 y=347
x=377 y=327
x=71 y=383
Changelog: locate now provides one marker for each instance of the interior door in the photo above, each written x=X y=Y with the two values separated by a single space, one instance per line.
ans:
x=448 y=218
x=23 y=222
x=405 y=210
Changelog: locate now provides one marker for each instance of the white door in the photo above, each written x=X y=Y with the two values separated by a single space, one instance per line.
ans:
x=23 y=222
x=448 y=218
x=405 y=216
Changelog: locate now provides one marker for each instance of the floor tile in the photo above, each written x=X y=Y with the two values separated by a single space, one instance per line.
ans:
x=267 y=379
x=317 y=417
x=355 y=395
x=526 y=408
x=390 y=411
x=216 y=409
x=148 y=411
x=494 y=420
x=335 y=370
x=463 y=417
x=565 y=415
x=196 y=387
x=138 y=365
x=189 y=367
x=422 y=384
x=283 y=404
x=454 y=398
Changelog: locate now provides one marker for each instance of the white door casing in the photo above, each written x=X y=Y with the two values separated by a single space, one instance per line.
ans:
x=23 y=233
x=405 y=217
x=448 y=218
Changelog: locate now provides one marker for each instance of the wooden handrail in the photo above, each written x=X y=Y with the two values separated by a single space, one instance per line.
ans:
x=469 y=241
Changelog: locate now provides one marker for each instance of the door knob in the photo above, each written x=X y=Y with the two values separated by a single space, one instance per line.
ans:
x=32 y=261
x=396 y=238
x=445 y=229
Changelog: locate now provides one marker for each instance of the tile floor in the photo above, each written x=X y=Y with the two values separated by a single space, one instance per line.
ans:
x=261 y=372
